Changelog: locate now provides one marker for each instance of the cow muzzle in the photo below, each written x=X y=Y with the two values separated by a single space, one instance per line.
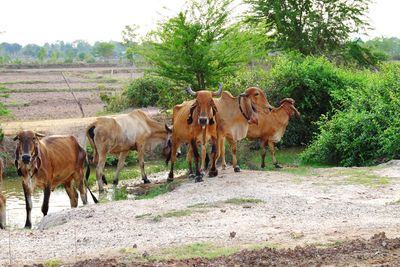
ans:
x=203 y=121
x=26 y=158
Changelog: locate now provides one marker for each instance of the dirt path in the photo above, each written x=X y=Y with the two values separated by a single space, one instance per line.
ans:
x=322 y=207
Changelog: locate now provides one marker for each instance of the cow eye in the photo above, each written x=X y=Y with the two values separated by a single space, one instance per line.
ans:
x=256 y=94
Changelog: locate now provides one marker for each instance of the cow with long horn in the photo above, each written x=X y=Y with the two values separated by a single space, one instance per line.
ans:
x=195 y=122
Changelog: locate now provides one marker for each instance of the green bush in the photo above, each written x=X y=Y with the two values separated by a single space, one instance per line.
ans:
x=154 y=91
x=366 y=130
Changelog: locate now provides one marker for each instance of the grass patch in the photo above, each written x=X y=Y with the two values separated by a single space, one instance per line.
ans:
x=333 y=244
x=203 y=205
x=159 y=190
x=177 y=213
x=52 y=263
x=203 y=250
x=143 y=215
x=119 y=194
x=363 y=176
x=240 y=201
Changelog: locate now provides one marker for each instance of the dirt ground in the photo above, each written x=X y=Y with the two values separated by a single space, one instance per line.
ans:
x=37 y=94
x=322 y=208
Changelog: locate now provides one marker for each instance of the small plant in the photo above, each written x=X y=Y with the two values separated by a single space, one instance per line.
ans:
x=52 y=263
x=119 y=194
x=159 y=190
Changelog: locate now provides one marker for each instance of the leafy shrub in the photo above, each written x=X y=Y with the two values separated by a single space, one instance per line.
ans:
x=366 y=130
x=153 y=91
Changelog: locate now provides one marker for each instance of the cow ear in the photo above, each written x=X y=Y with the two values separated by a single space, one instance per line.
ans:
x=15 y=138
x=38 y=158
x=214 y=108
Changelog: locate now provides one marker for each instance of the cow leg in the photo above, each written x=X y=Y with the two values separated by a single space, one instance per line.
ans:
x=73 y=195
x=214 y=151
x=193 y=144
x=81 y=186
x=272 y=152
x=203 y=158
x=221 y=152
x=120 y=165
x=262 y=147
x=233 y=145
x=99 y=170
x=140 y=149
x=28 y=203
x=189 y=158
x=175 y=146
x=46 y=198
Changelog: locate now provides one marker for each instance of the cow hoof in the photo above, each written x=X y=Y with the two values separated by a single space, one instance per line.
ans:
x=198 y=179
x=146 y=181
x=236 y=169
x=191 y=176
x=169 y=179
x=28 y=226
x=262 y=166
x=213 y=173
x=277 y=166
x=115 y=182
x=223 y=166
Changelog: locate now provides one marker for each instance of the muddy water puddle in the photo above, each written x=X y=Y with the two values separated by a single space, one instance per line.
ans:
x=16 y=212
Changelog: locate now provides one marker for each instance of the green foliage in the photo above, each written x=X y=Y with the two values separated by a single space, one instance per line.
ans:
x=153 y=91
x=388 y=46
x=42 y=54
x=360 y=55
x=119 y=194
x=200 y=46
x=104 y=49
x=159 y=190
x=312 y=27
x=366 y=130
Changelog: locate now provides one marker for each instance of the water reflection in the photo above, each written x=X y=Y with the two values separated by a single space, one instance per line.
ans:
x=16 y=213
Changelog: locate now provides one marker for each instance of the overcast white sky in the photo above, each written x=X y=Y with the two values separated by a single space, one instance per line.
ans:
x=40 y=21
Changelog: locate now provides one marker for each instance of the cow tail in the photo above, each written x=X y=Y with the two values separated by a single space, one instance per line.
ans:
x=90 y=136
x=95 y=200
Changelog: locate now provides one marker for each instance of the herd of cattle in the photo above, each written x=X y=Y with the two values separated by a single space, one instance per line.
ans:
x=47 y=162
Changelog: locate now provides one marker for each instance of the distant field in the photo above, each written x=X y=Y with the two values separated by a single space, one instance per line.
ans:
x=35 y=94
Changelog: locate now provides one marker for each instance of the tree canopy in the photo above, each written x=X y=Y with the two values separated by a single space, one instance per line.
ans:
x=309 y=26
x=201 y=45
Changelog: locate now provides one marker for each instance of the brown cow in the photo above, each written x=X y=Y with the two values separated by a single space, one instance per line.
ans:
x=47 y=162
x=272 y=126
x=121 y=134
x=194 y=121
x=235 y=115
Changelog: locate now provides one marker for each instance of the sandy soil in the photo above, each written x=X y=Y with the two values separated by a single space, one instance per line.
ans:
x=322 y=207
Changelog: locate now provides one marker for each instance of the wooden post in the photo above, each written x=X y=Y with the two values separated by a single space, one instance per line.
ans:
x=72 y=92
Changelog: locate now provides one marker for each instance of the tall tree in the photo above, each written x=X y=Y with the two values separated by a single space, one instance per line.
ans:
x=201 y=45
x=104 y=49
x=310 y=26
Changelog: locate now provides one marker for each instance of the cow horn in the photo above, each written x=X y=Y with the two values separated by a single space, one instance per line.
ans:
x=297 y=113
x=190 y=91
x=39 y=135
x=219 y=92
x=168 y=128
